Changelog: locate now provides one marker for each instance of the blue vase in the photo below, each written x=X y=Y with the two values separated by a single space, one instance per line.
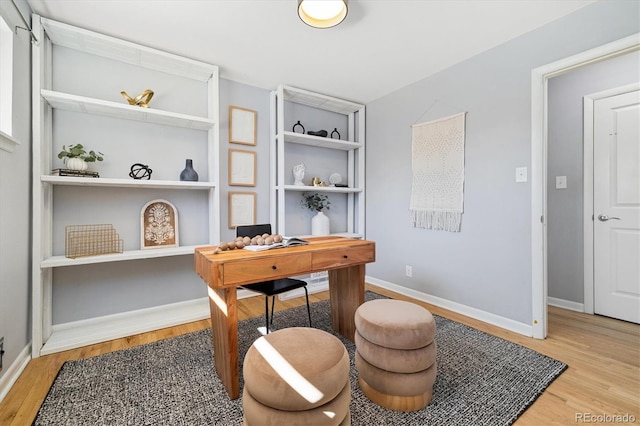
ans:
x=188 y=174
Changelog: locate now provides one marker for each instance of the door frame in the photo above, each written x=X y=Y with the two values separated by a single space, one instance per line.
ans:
x=589 y=258
x=539 y=144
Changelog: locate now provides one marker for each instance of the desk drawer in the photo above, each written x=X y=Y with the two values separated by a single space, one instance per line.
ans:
x=270 y=268
x=344 y=257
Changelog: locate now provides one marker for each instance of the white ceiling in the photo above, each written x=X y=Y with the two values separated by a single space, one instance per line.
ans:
x=382 y=45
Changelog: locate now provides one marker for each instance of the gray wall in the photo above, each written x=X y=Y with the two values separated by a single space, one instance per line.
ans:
x=565 y=158
x=488 y=264
x=15 y=202
x=244 y=96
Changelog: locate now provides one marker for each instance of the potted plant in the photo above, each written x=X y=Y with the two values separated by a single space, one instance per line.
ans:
x=315 y=202
x=76 y=157
x=320 y=224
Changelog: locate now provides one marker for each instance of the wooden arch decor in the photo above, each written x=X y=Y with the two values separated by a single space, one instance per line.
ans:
x=158 y=225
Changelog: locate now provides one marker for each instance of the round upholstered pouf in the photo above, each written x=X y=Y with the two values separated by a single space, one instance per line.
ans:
x=395 y=324
x=293 y=371
x=398 y=384
x=396 y=353
x=396 y=360
x=334 y=412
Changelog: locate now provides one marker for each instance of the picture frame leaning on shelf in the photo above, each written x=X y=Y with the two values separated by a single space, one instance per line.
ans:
x=158 y=225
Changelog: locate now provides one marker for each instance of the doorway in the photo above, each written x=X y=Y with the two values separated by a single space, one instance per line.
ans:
x=569 y=201
x=539 y=97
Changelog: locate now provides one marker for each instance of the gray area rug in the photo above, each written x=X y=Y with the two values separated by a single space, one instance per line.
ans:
x=482 y=380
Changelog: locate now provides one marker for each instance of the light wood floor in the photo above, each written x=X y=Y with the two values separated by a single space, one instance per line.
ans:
x=603 y=355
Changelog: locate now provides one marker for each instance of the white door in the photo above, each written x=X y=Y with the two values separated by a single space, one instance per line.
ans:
x=616 y=206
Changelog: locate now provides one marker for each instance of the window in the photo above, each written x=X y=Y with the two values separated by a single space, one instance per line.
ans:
x=6 y=76
x=6 y=87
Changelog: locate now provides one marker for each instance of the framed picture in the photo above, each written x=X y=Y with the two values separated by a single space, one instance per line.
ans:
x=242 y=167
x=158 y=225
x=242 y=208
x=242 y=125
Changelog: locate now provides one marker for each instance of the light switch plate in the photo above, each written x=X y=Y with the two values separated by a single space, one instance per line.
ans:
x=521 y=174
x=561 y=182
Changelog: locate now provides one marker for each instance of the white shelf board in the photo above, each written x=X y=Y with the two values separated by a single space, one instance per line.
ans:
x=307 y=188
x=153 y=253
x=335 y=234
x=316 y=100
x=127 y=52
x=75 y=103
x=125 y=183
x=318 y=141
x=344 y=234
x=347 y=234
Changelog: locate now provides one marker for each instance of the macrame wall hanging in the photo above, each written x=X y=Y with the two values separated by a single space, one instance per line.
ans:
x=437 y=165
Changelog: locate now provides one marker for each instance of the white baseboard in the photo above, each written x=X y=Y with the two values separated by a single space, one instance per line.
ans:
x=502 y=322
x=243 y=293
x=316 y=282
x=311 y=288
x=565 y=304
x=13 y=372
x=101 y=329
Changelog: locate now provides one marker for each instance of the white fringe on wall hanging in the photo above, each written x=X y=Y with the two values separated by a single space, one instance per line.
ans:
x=437 y=165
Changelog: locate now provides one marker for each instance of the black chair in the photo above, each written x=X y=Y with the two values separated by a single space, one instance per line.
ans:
x=274 y=287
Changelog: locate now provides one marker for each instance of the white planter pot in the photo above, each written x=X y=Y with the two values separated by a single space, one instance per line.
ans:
x=75 y=163
x=320 y=224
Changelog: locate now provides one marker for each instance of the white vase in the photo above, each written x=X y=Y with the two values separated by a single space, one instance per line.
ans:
x=75 y=163
x=320 y=224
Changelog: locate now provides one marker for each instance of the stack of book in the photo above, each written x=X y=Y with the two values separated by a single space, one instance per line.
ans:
x=76 y=173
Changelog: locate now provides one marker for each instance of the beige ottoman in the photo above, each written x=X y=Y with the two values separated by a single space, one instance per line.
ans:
x=396 y=353
x=297 y=375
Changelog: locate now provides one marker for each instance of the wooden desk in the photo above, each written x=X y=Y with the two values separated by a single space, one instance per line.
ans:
x=344 y=258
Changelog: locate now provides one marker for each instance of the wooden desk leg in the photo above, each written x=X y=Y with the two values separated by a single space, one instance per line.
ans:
x=346 y=293
x=224 y=332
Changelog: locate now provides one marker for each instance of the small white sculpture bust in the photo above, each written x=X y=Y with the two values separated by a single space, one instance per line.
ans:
x=298 y=174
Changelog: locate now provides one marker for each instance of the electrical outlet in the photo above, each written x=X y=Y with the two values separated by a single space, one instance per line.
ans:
x=1 y=350
x=408 y=270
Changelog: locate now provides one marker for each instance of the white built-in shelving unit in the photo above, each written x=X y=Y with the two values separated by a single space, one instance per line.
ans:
x=350 y=117
x=46 y=101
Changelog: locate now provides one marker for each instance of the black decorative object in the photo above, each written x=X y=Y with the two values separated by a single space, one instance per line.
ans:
x=140 y=171
x=335 y=130
x=321 y=133
x=296 y=125
x=188 y=174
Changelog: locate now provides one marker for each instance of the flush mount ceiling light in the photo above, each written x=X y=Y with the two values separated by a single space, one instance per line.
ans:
x=322 y=13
